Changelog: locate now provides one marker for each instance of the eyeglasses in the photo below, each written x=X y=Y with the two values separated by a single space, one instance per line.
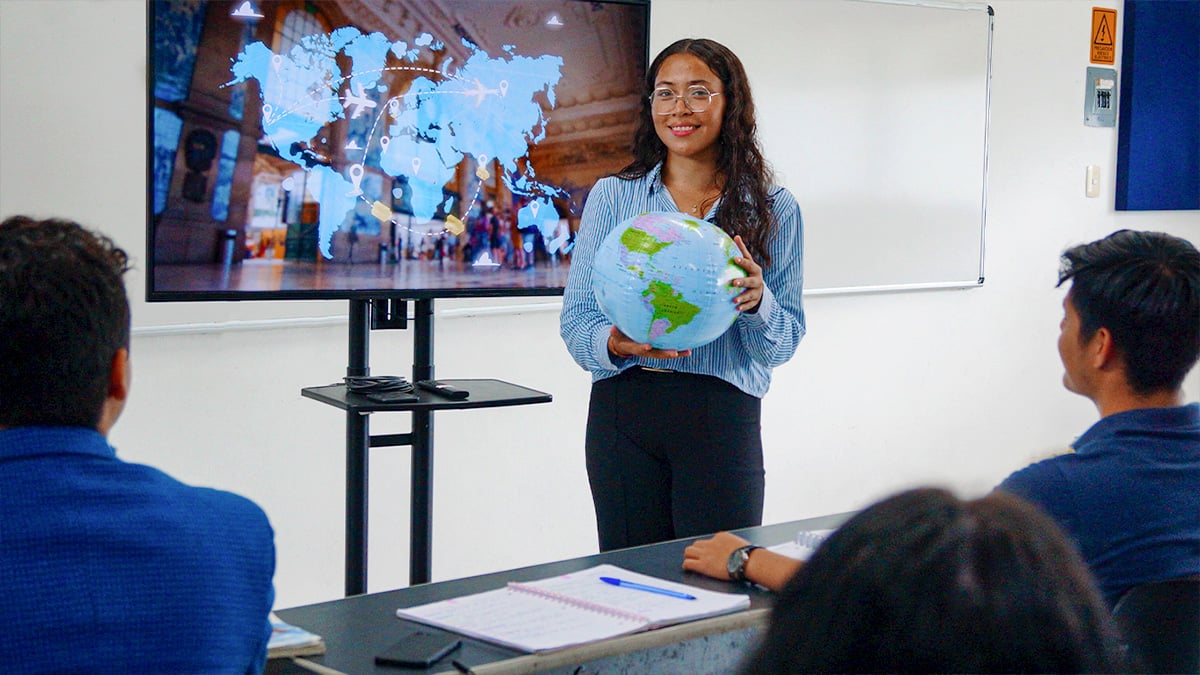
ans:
x=695 y=99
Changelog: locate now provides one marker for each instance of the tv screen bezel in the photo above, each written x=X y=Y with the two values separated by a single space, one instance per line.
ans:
x=154 y=295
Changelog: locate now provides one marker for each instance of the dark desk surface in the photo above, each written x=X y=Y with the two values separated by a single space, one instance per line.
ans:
x=358 y=627
x=484 y=394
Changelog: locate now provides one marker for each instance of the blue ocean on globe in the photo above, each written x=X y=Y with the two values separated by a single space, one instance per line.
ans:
x=664 y=279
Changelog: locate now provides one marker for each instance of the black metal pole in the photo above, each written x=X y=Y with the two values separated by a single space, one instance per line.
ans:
x=358 y=443
x=421 y=512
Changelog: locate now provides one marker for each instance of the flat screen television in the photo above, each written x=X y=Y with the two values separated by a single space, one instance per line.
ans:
x=323 y=149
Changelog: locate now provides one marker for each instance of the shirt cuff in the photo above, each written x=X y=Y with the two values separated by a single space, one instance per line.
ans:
x=765 y=306
x=603 y=356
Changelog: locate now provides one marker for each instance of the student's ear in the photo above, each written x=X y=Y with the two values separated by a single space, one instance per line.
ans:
x=119 y=376
x=1103 y=350
x=118 y=391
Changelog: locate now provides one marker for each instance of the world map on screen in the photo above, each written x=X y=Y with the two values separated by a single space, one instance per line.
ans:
x=485 y=108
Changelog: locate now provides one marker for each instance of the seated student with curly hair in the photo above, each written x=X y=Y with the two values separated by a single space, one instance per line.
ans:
x=925 y=582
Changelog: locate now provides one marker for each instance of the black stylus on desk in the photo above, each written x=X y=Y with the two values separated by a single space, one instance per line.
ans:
x=443 y=390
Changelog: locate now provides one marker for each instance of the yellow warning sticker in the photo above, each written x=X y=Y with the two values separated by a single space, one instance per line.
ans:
x=1104 y=35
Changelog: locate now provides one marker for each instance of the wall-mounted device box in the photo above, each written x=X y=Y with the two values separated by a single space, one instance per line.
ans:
x=1100 y=97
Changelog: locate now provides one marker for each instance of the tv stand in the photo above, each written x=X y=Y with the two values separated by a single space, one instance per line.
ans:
x=391 y=313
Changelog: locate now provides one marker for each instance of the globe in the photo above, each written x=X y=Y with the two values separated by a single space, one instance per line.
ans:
x=664 y=279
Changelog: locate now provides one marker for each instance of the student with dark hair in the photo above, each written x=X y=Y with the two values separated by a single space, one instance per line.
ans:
x=923 y=582
x=1129 y=495
x=674 y=443
x=105 y=566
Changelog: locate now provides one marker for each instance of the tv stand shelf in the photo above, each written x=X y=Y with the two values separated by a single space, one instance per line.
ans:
x=484 y=393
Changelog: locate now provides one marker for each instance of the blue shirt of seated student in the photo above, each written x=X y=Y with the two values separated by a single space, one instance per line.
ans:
x=113 y=567
x=1129 y=496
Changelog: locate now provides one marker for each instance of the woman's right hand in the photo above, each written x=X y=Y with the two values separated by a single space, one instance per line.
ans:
x=622 y=346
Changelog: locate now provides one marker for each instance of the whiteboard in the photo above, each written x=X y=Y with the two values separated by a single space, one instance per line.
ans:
x=874 y=114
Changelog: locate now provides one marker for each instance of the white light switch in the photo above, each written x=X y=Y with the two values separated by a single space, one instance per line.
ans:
x=1092 y=186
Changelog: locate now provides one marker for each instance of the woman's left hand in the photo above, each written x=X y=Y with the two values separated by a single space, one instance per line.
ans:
x=748 y=299
x=710 y=556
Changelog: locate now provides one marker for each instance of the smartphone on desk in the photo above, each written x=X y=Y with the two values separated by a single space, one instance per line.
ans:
x=418 y=650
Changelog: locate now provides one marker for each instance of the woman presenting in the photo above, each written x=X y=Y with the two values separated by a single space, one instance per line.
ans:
x=674 y=440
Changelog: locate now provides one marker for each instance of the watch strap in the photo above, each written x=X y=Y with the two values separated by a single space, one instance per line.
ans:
x=738 y=560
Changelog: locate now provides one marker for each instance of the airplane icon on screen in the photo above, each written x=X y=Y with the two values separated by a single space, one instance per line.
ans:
x=480 y=91
x=359 y=102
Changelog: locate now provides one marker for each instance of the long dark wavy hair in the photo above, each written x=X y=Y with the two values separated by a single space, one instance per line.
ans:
x=745 y=208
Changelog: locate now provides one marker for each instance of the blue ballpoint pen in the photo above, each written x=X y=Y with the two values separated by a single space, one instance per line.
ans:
x=650 y=589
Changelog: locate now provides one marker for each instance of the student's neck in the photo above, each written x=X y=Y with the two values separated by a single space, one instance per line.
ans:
x=1126 y=399
x=691 y=173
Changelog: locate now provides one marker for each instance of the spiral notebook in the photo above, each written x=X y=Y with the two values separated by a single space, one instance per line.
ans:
x=804 y=545
x=571 y=609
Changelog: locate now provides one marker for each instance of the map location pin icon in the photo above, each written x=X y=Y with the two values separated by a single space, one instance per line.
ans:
x=534 y=206
x=276 y=62
x=416 y=165
x=356 y=176
x=504 y=87
x=384 y=141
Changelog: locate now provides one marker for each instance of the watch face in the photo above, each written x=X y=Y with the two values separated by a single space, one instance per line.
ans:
x=737 y=563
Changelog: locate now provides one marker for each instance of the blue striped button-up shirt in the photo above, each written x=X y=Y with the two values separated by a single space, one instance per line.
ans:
x=745 y=354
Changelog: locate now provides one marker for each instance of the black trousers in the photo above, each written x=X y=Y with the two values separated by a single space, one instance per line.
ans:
x=672 y=455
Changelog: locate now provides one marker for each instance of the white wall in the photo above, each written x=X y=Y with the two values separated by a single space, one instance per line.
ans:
x=887 y=390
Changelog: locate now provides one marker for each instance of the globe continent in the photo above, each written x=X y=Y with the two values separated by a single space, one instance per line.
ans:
x=664 y=279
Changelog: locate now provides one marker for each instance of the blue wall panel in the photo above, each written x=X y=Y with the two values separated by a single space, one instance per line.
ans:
x=1158 y=138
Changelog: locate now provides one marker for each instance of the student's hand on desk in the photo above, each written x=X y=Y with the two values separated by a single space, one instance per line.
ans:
x=766 y=568
x=710 y=556
x=622 y=346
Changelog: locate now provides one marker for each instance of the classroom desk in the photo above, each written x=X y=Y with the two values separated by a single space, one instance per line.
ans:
x=358 y=627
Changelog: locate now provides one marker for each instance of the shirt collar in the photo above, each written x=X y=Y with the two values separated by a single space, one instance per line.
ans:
x=654 y=179
x=1150 y=419
x=19 y=442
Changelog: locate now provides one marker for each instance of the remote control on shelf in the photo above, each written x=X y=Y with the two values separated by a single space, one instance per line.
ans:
x=444 y=390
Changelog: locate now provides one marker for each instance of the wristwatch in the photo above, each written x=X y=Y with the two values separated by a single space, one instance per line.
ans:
x=737 y=562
